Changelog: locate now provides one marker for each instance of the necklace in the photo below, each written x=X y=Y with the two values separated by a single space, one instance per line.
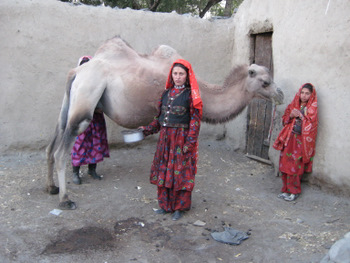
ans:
x=179 y=87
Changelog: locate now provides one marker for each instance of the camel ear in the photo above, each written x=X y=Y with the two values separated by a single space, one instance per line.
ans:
x=252 y=73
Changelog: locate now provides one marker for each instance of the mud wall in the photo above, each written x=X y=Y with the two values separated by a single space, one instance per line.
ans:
x=311 y=42
x=42 y=39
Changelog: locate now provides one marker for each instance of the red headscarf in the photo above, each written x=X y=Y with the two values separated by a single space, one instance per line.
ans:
x=196 y=98
x=309 y=125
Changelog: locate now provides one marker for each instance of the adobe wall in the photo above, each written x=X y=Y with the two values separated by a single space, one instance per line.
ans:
x=311 y=41
x=42 y=39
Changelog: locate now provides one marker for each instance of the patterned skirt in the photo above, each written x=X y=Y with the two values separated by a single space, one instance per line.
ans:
x=292 y=166
x=291 y=161
x=171 y=168
x=173 y=171
x=91 y=146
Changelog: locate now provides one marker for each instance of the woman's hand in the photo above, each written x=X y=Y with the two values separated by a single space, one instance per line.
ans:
x=295 y=113
x=301 y=116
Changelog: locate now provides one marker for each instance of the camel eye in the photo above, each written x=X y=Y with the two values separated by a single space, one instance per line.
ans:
x=251 y=73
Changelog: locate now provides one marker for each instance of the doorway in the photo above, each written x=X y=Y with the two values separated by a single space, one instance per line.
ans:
x=260 y=110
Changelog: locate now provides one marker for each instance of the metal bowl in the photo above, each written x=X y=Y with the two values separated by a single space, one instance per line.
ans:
x=131 y=136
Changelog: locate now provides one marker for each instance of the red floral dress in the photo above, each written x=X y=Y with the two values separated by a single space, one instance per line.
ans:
x=291 y=163
x=172 y=170
x=297 y=142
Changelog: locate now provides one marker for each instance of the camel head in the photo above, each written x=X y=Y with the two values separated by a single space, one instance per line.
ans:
x=241 y=86
x=260 y=83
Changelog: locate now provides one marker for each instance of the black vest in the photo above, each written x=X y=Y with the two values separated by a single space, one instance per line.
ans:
x=175 y=111
x=298 y=123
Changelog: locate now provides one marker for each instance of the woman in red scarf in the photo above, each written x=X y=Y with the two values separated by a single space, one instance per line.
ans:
x=178 y=121
x=297 y=140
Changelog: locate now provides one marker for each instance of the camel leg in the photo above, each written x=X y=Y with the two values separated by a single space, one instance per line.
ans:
x=72 y=130
x=52 y=147
x=60 y=160
x=74 y=119
x=50 y=184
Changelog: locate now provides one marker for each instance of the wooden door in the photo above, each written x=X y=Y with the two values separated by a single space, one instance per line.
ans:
x=260 y=110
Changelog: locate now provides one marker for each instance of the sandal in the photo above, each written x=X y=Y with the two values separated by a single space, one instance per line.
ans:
x=283 y=195
x=292 y=197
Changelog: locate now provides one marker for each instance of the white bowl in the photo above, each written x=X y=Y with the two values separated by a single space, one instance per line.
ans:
x=131 y=136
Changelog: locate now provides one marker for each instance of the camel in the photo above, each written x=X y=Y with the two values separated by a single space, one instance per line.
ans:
x=127 y=85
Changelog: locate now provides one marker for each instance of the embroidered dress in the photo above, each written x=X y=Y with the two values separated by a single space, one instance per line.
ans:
x=172 y=170
x=91 y=146
x=291 y=165
x=297 y=142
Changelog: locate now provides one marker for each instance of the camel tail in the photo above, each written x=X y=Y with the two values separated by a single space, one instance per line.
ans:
x=62 y=120
x=60 y=128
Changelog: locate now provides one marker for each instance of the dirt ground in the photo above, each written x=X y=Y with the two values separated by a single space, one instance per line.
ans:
x=115 y=222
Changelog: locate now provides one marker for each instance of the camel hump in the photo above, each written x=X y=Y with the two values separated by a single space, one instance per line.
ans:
x=164 y=51
x=115 y=47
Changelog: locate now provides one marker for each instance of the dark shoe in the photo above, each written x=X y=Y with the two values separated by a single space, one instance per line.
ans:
x=292 y=197
x=177 y=215
x=76 y=177
x=92 y=171
x=283 y=195
x=160 y=211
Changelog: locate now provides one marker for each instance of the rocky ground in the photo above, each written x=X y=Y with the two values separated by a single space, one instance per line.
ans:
x=115 y=222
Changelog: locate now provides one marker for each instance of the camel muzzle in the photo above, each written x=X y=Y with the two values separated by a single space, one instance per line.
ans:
x=279 y=97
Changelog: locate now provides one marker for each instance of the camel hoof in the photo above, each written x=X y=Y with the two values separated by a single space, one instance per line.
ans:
x=53 y=190
x=68 y=205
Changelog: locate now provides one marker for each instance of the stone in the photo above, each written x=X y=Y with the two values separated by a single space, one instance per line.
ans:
x=339 y=252
x=199 y=223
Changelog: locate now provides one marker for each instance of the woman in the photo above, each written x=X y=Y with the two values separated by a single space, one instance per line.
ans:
x=178 y=121
x=297 y=140
x=91 y=146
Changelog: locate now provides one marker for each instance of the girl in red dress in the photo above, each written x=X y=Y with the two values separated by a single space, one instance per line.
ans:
x=297 y=140
x=178 y=122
